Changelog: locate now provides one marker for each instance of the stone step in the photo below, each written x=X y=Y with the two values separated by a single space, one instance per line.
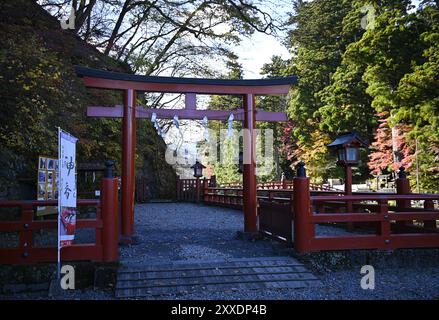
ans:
x=158 y=291
x=207 y=272
x=220 y=275
x=200 y=280
x=209 y=264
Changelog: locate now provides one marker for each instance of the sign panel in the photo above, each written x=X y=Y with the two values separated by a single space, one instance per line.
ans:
x=47 y=182
x=67 y=189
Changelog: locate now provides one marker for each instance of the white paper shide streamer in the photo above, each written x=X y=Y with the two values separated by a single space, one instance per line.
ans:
x=157 y=125
x=205 y=123
x=230 y=126
x=176 y=122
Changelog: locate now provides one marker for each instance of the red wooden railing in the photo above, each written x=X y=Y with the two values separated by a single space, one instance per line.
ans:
x=142 y=192
x=233 y=197
x=191 y=190
x=394 y=219
x=388 y=219
x=104 y=248
x=226 y=197
x=275 y=220
x=281 y=185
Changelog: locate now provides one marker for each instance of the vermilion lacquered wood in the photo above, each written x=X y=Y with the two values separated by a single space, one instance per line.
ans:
x=417 y=240
x=128 y=162
x=402 y=188
x=184 y=88
x=275 y=220
x=383 y=210
x=345 y=243
x=343 y=217
x=304 y=229
x=190 y=101
x=431 y=223
x=78 y=252
x=249 y=176
x=373 y=197
x=110 y=213
x=42 y=203
x=27 y=253
x=9 y=226
x=146 y=113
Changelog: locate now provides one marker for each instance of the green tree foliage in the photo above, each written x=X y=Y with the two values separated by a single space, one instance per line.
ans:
x=40 y=91
x=166 y=36
x=227 y=170
x=34 y=87
x=276 y=68
x=348 y=75
x=317 y=42
x=400 y=54
x=418 y=102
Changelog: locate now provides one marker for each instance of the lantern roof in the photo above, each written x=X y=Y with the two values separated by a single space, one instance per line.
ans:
x=348 y=139
x=198 y=165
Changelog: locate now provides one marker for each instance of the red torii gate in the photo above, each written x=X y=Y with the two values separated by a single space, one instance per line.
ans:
x=130 y=84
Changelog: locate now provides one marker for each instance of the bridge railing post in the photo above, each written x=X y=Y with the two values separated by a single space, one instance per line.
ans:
x=205 y=190
x=109 y=211
x=178 y=188
x=429 y=224
x=284 y=181
x=303 y=227
x=197 y=190
x=402 y=188
x=213 y=181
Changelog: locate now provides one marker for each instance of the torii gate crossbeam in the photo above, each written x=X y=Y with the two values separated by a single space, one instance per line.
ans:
x=130 y=84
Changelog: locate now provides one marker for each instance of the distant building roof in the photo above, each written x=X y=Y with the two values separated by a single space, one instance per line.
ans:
x=348 y=138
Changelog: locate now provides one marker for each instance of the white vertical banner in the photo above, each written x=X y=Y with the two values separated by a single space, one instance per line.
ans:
x=67 y=189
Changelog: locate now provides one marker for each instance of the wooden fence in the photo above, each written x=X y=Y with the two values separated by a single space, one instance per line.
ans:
x=398 y=223
x=275 y=220
x=191 y=190
x=391 y=220
x=281 y=185
x=104 y=248
x=413 y=227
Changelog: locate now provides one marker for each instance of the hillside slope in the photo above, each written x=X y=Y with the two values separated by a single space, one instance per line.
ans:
x=40 y=91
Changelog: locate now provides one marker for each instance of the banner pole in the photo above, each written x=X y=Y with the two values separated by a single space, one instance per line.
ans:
x=59 y=205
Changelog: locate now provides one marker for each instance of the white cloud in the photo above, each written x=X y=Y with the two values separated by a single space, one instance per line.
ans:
x=254 y=52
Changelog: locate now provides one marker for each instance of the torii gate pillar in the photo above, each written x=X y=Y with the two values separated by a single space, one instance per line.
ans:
x=129 y=83
x=128 y=163
x=249 y=177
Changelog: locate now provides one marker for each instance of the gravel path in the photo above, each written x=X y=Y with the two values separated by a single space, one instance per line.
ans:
x=181 y=231
x=169 y=232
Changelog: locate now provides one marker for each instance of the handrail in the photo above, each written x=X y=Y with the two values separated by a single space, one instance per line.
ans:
x=42 y=203
x=105 y=245
x=411 y=196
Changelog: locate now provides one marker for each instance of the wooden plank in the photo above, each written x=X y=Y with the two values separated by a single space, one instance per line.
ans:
x=185 y=88
x=214 y=280
x=193 y=273
x=213 y=265
x=142 y=112
x=14 y=226
x=345 y=217
x=238 y=274
x=347 y=243
x=80 y=252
